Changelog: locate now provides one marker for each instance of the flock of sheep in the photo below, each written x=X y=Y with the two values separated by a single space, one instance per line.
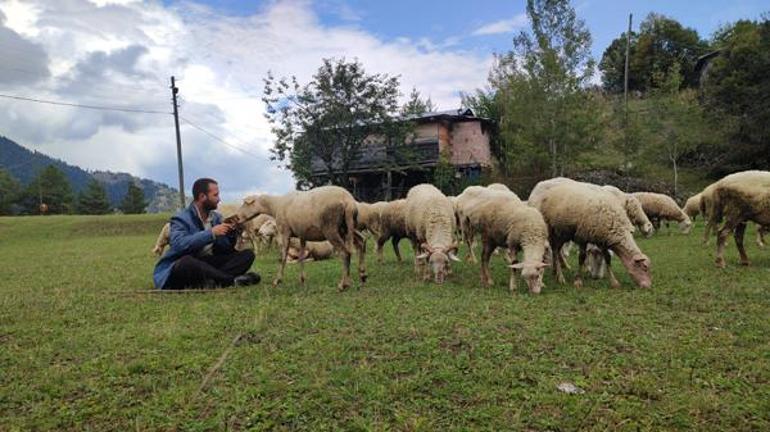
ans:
x=533 y=234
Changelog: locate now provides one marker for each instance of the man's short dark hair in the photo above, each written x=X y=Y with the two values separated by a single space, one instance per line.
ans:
x=201 y=186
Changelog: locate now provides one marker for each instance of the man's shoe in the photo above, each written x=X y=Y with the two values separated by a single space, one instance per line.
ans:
x=250 y=278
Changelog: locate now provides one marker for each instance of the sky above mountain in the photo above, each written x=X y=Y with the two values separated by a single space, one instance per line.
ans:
x=122 y=53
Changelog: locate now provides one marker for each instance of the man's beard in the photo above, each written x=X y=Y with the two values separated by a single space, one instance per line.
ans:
x=208 y=205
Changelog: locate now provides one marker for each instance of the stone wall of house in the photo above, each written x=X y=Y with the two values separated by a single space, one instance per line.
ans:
x=469 y=144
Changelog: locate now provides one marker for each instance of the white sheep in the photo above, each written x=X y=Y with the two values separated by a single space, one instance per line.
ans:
x=324 y=213
x=430 y=224
x=575 y=211
x=660 y=207
x=740 y=198
x=503 y=222
x=466 y=205
x=392 y=226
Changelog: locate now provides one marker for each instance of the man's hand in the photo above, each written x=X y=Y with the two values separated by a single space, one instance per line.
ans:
x=222 y=229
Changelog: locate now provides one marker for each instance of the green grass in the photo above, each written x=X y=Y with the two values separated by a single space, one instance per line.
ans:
x=82 y=348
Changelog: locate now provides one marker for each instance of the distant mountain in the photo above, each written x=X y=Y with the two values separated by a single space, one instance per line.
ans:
x=25 y=164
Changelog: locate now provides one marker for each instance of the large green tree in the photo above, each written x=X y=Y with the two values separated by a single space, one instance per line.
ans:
x=660 y=43
x=10 y=192
x=52 y=188
x=736 y=85
x=93 y=199
x=328 y=120
x=133 y=202
x=538 y=93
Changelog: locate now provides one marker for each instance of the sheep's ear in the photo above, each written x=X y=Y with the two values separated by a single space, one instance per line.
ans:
x=249 y=200
x=453 y=257
x=542 y=265
x=517 y=266
x=422 y=256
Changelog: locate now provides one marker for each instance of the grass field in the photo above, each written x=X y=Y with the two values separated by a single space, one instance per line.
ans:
x=84 y=347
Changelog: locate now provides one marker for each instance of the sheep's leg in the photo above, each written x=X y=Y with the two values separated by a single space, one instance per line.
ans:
x=608 y=263
x=581 y=263
x=380 y=244
x=360 y=244
x=761 y=236
x=512 y=252
x=722 y=235
x=563 y=260
x=302 y=254
x=486 y=254
x=284 y=243
x=740 y=230
x=707 y=231
x=555 y=257
x=582 y=266
x=418 y=263
x=394 y=240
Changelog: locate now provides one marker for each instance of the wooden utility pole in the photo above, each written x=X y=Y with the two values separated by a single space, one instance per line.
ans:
x=174 y=91
x=625 y=98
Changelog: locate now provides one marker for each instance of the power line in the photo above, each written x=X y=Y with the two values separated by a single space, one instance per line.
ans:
x=94 y=107
x=221 y=140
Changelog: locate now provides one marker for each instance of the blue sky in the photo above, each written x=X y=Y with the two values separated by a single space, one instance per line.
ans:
x=451 y=23
x=89 y=51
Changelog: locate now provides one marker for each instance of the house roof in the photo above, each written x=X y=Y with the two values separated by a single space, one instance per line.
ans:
x=460 y=114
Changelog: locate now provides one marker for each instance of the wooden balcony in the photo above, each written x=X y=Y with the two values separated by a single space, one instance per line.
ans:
x=373 y=158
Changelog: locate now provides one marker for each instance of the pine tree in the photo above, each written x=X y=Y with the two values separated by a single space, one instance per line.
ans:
x=52 y=188
x=93 y=199
x=133 y=202
x=10 y=191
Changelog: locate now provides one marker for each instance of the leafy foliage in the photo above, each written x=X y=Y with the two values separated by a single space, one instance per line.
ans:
x=661 y=43
x=51 y=188
x=329 y=119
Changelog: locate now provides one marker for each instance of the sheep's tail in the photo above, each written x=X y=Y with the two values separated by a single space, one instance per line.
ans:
x=350 y=222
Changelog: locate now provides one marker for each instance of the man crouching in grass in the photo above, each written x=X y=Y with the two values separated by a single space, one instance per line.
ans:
x=201 y=252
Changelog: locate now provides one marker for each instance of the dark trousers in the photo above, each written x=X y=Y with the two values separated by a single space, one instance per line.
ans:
x=197 y=272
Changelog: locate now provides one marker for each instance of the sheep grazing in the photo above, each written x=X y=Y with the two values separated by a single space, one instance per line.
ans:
x=392 y=226
x=466 y=206
x=692 y=207
x=633 y=208
x=324 y=213
x=740 y=198
x=369 y=216
x=660 y=207
x=162 y=241
x=578 y=212
x=430 y=224
x=511 y=224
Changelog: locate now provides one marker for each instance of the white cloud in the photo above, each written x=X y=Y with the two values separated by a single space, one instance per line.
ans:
x=502 y=26
x=122 y=54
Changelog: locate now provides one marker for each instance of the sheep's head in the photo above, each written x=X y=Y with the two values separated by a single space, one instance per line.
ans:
x=638 y=266
x=532 y=273
x=595 y=259
x=685 y=225
x=638 y=217
x=252 y=207
x=267 y=230
x=438 y=259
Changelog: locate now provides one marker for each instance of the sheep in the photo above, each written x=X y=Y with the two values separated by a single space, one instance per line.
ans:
x=314 y=251
x=706 y=207
x=392 y=226
x=692 y=206
x=369 y=216
x=575 y=211
x=739 y=198
x=430 y=224
x=258 y=232
x=662 y=207
x=511 y=224
x=163 y=240
x=324 y=213
x=633 y=208
x=466 y=204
